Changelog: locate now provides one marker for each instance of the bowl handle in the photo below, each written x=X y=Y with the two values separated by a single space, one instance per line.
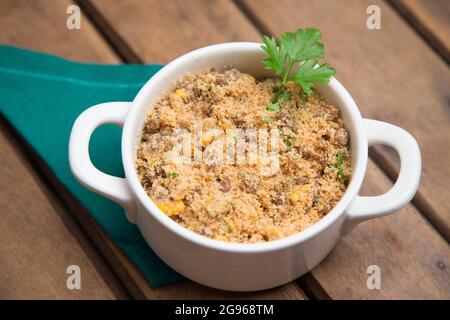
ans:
x=83 y=169
x=363 y=208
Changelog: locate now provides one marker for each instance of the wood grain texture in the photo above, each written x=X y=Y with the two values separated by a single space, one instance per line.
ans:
x=35 y=245
x=414 y=260
x=431 y=18
x=159 y=31
x=38 y=238
x=89 y=46
x=392 y=75
x=41 y=25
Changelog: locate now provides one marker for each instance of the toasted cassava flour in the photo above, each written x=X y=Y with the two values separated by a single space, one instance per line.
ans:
x=236 y=201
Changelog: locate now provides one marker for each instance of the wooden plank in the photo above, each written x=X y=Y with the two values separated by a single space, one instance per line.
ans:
x=431 y=19
x=93 y=48
x=414 y=260
x=190 y=290
x=413 y=256
x=392 y=75
x=35 y=244
x=162 y=30
x=41 y=25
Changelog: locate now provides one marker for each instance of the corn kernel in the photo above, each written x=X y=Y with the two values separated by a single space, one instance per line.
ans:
x=230 y=224
x=181 y=93
x=272 y=233
x=207 y=139
x=172 y=208
x=222 y=238
x=300 y=194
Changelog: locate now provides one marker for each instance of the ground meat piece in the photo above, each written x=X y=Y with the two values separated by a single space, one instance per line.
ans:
x=198 y=190
x=146 y=181
x=160 y=192
x=283 y=116
x=277 y=200
x=232 y=75
x=221 y=81
x=341 y=137
x=159 y=171
x=152 y=126
x=251 y=183
x=237 y=121
x=154 y=142
x=197 y=92
x=207 y=109
x=301 y=180
x=224 y=185
x=332 y=112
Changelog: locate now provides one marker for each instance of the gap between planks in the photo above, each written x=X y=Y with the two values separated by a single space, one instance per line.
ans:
x=421 y=28
x=110 y=36
x=85 y=242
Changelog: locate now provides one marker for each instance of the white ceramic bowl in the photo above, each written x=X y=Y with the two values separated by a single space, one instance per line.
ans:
x=235 y=266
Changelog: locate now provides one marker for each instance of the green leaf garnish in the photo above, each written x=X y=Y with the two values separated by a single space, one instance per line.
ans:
x=273 y=107
x=276 y=55
x=172 y=175
x=288 y=143
x=308 y=74
x=302 y=48
x=303 y=44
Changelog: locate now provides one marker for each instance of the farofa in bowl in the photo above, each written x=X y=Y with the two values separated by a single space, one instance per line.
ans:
x=234 y=202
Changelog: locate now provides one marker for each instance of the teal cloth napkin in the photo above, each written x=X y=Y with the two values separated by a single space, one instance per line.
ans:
x=41 y=96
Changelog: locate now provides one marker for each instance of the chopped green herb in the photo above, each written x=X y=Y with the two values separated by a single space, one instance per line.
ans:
x=273 y=107
x=241 y=175
x=266 y=119
x=340 y=165
x=288 y=143
x=286 y=95
x=281 y=94
x=172 y=175
x=302 y=48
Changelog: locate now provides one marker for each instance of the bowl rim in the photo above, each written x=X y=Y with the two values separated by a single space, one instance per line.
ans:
x=128 y=151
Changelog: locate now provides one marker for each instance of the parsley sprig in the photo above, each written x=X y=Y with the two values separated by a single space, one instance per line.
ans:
x=298 y=50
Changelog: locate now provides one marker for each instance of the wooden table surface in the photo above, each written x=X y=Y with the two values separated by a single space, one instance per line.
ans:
x=399 y=74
